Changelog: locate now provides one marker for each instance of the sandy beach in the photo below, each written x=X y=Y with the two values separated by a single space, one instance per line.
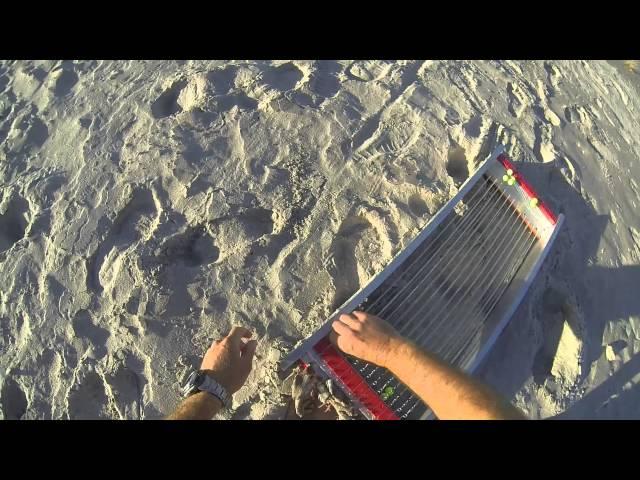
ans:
x=147 y=206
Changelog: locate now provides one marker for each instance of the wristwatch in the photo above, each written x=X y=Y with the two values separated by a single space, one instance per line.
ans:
x=199 y=381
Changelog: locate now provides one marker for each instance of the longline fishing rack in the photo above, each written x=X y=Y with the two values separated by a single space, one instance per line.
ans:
x=452 y=290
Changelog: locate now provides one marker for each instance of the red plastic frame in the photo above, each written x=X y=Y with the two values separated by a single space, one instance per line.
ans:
x=353 y=381
x=528 y=189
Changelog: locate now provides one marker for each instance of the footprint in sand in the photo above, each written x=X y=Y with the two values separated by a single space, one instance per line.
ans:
x=542 y=109
x=559 y=358
x=553 y=76
x=282 y=78
x=192 y=95
x=263 y=84
x=550 y=116
x=343 y=250
x=134 y=223
x=401 y=132
x=395 y=135
x=166 y=104
x=579 y=115
x=569 y=170
x=84 y=327
x=238 y=99
x=278 y=83
x=238 y=231
x=193 y=248
x=13 y=400
x=13 y=222
x=222 y=81
x=87 y=398
x=221 y=85
x=477 y=126
x=543 y=145
x=182 y=257
x=28 y=133
x=418 y=205
x=360 y=248
x=369 y=70
x=514 y=147
x=185 y=255
x=323 y=84
x=517 y=100
x=26 y=82
x=127 y=384
x=64 y=79
x=457 y=165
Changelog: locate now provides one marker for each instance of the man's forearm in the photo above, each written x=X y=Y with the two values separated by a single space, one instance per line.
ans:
x=449 y=392
x=200 y=406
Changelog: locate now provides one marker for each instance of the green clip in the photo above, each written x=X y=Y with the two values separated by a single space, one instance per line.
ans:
x=509 y=178
x=388 y=391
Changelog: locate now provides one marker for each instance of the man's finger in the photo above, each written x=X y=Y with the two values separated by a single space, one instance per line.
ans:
x=341 y=328
x=361 y=316
x=339 y=341
x=351 y=321
x=350 y=315
x=237 y=333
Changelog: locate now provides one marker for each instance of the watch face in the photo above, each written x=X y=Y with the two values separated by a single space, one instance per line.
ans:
x=193 y=382
x=199 y=378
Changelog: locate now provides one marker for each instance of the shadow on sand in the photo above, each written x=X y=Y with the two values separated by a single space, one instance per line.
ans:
x=584 y=295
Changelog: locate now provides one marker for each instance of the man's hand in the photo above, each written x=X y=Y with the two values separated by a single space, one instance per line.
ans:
x=448 y=391
x=365 y=336
x=229 y=361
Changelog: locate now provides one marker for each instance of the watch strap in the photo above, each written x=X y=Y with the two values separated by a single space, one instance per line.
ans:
x=199 y=381
x=210 y=385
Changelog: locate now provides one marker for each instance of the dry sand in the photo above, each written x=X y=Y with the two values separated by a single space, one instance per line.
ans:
x=147 y=206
